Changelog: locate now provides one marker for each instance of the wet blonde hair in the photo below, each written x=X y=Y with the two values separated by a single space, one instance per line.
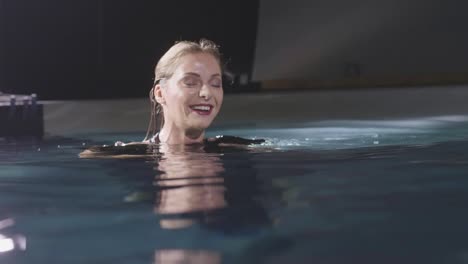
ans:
x=166 y=67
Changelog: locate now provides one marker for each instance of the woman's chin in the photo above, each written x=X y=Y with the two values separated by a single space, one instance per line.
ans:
x=199 y=126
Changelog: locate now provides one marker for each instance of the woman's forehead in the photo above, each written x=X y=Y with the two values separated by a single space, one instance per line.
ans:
x=201 y=63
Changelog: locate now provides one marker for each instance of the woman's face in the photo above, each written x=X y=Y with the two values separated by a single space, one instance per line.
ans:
x=192 y=97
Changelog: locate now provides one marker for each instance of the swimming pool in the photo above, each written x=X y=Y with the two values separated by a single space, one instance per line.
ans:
x=341 y=191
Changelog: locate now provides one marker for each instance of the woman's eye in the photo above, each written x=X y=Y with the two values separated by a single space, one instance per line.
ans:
x=190 y=81
x=216 y=83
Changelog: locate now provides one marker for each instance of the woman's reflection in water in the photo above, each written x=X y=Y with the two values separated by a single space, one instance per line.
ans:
x=194 y=185
x=172 y=256
x=190 y=182
x=214 y=187
x=209 y=186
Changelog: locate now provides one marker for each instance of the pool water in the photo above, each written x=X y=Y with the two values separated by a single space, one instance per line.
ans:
x=347 y=191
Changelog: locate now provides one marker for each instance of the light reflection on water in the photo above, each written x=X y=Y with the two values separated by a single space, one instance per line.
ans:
x=348 y=134
x=10 y=242
x=168 y=256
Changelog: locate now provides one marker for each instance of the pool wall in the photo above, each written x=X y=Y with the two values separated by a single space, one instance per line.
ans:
x=64 y=118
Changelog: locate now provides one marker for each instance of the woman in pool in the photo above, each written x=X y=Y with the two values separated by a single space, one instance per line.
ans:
x=187 y=93
x=185 y=99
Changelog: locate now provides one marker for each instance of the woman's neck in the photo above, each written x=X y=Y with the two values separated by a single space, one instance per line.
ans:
x=171 y=134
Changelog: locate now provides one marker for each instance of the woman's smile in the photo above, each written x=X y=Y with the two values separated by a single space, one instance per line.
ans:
x=202 y=109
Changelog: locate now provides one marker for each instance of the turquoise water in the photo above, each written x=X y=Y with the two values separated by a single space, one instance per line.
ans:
x=349 y=191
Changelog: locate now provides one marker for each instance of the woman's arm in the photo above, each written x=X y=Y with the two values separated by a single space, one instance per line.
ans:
x=118 y=150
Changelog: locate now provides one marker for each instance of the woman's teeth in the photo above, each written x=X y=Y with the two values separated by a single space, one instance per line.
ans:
x=201 y=108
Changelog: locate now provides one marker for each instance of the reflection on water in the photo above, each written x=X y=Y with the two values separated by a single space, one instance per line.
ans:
x=193 y=186
x=10 y=242
x=190 y=182
x=209 y=188
x=174 y=256
x=395 y=204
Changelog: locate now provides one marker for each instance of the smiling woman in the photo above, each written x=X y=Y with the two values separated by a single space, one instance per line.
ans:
x=188 y=93
x=185 y=99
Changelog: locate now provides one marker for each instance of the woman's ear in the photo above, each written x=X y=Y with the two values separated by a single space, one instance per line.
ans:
x=158 y=94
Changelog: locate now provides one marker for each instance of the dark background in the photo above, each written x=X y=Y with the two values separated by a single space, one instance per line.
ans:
x=368 y=42
x=90 y=49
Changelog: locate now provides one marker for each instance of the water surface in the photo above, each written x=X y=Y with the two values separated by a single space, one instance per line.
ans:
x=326 y=192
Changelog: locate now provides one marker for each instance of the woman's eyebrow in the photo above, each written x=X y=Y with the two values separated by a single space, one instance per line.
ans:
x=198 y=75
x=192 y=73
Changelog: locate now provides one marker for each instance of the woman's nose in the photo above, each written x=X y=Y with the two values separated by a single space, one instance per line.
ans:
x=205 y=92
